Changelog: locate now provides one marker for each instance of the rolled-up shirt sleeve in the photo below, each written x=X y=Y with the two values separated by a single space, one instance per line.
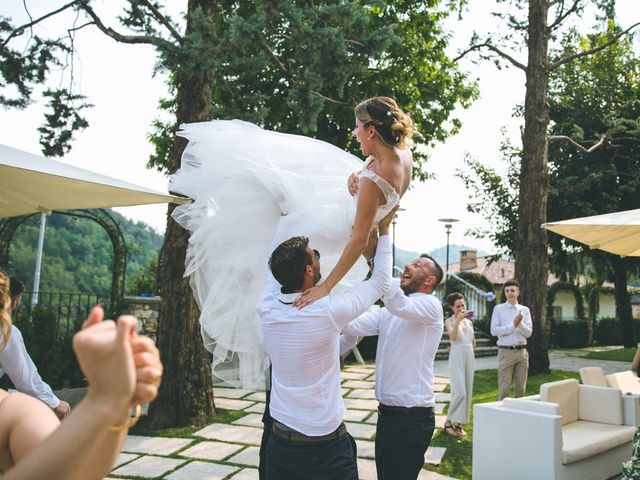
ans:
x=414 y=307
x=17 y=364
x=346 y=306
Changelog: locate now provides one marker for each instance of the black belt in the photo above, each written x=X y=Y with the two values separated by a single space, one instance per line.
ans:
x=512 y=347
x=294 y=436
x=388 y=410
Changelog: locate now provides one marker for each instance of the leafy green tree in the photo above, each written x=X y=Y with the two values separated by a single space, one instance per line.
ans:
x=595 y=102
x=594 y=152
x=534 y=24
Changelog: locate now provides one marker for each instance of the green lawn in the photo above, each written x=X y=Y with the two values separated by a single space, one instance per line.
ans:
x=457 y=459
x=619 y=354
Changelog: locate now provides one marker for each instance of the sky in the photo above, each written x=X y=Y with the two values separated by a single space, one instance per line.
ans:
x=118 y=80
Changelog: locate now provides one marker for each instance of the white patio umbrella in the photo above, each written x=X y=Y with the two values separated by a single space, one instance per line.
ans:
x=33 y=184
x=617 y=233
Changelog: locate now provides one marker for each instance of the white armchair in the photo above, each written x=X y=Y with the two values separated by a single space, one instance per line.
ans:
x=573 y=432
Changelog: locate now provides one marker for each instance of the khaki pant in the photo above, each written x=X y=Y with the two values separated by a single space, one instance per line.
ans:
x=512 y=364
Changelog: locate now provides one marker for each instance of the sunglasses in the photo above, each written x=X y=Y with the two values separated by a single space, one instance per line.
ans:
x=317 y=253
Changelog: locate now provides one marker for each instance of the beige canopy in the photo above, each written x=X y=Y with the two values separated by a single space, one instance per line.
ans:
x=31 y=184
x=617 y=233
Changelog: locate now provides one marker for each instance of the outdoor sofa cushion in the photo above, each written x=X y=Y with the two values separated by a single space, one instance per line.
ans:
x=566 y=394
x=583 y=439
x=593 y=376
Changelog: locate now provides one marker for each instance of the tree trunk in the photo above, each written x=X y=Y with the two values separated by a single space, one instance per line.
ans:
x=531 y=240
x=186 y=393
x=623 y=301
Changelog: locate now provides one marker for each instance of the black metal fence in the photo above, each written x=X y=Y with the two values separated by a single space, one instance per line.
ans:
x=48 y=328
x=70 y=309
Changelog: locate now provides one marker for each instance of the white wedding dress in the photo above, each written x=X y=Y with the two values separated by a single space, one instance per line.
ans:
x=252 y=189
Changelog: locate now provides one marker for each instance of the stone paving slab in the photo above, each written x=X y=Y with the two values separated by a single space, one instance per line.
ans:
x=355 y=415
x=361 y=369
x=231 y=433
x=232 y=403
x=154 y=445
x=358 y=384
x=202 y=471
x=445 y=380
x=249 y=456
x=439 y=387
x=246 y=474
x=360 y=404
x=361 y=430
x=256 y=408
x=440 y=421
x=149 y=466
x=439 y=408
x=219 y=392
x=366 y=448
x=251 y=420
x=257 y=397
x=367 y=469
x=362 y=393
x=353 y=375
x=211 y=450
x=373 y=419
x=443 y=397
x=434 y=455
x=124 y=458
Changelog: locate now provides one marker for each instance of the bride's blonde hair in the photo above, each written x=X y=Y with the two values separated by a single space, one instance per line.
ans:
x=5 y=310
x=394 y=127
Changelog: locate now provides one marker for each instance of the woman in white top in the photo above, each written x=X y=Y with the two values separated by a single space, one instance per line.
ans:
x=253 y=188
x=461 y=364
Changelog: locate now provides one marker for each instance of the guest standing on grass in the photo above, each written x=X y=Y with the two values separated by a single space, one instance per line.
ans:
x=511 y=323
x=461 y=364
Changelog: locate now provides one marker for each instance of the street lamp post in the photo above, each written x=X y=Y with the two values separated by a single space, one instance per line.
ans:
x=393 y=240
x=448 y=223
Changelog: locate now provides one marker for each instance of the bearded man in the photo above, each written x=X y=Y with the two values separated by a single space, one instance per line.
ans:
x=409 y=329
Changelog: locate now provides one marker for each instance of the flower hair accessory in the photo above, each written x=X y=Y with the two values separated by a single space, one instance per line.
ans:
x=389 y=113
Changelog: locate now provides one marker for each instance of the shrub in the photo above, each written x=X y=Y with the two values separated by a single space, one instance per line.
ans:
x=608 y=331
x=570 y=334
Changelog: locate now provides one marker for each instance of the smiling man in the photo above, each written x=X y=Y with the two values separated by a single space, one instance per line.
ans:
x=409 y=329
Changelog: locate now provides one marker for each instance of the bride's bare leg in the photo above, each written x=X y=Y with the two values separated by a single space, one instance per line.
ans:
x=26 y=422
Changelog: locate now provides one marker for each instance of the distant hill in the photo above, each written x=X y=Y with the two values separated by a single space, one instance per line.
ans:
x=440 y=254
x=78 y=255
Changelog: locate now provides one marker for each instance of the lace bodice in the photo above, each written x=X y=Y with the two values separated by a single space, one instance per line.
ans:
x=392 y=197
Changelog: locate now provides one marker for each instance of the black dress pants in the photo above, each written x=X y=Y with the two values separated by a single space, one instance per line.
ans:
x=327 y=460
x=402 y=438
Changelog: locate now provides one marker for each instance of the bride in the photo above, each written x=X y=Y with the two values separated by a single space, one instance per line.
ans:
x=253 y=188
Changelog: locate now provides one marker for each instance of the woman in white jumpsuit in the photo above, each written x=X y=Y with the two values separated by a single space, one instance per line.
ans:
x=461 y=364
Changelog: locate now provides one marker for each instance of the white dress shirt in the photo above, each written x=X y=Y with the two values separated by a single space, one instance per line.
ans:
x=409 y=330
x=303 y=345
x=502 y=324
x=17 y=364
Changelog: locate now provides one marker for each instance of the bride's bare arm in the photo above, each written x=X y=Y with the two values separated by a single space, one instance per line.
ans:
x=369 y=199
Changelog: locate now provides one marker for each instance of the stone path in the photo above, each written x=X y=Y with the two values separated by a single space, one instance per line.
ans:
x=230 y=452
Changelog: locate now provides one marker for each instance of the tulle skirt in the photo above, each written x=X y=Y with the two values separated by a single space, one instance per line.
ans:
x=251 y=190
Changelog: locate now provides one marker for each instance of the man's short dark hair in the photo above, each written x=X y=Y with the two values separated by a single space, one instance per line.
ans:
x=288 y=263
x=436 y=270
x=16 y=287
x=511 y=283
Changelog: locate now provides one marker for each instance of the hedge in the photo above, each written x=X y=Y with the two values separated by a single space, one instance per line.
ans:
x=570 y=334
